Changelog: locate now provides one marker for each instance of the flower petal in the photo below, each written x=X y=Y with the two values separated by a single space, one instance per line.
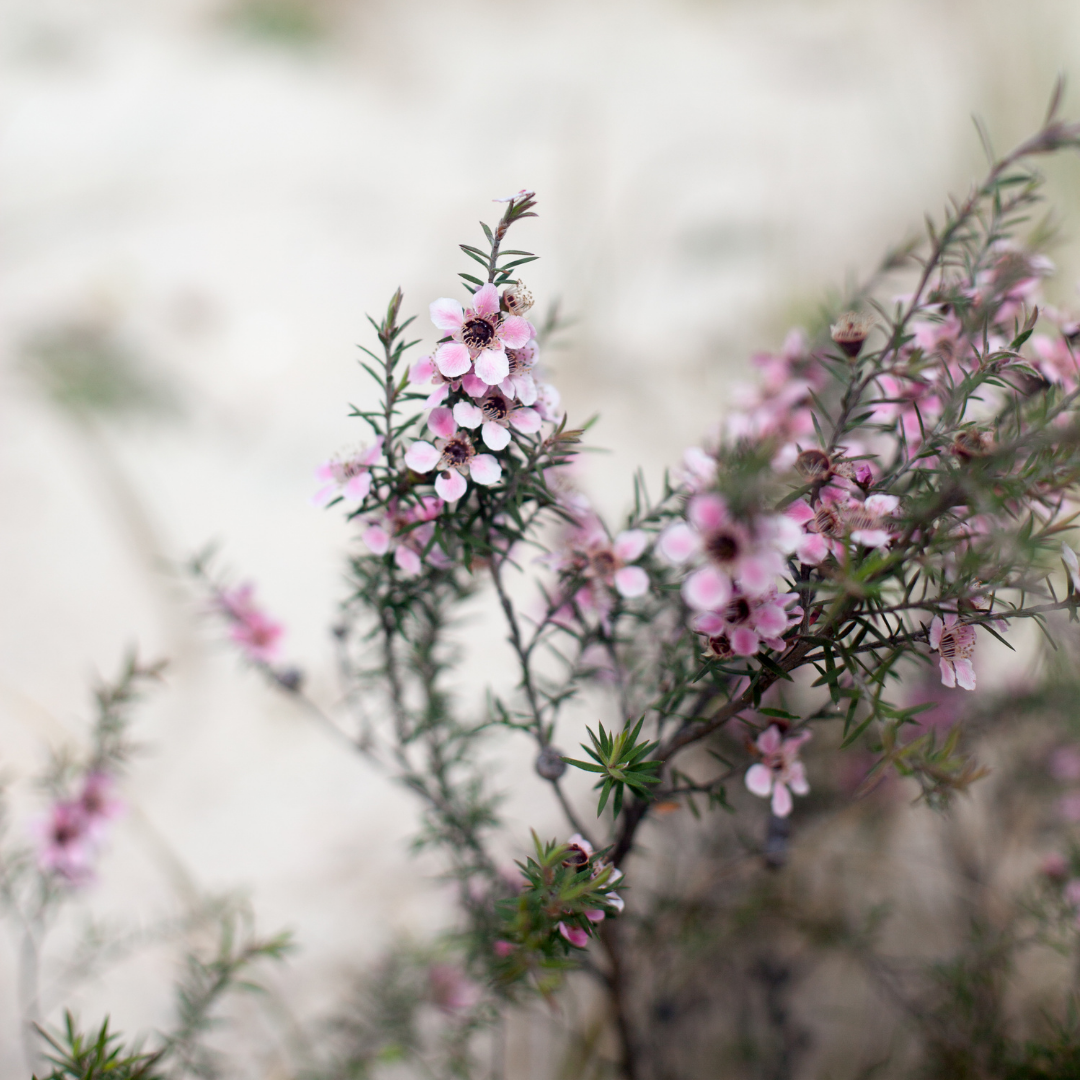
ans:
x=450 y=485
x=441 y=421
x=769 y=741
x=707 y=512
x=965 y=674
x=468 y=415
x=485 y=300
x=744 y=642
x=948 y=675
x=782 y=803
x=357 y=487
x=707 y=589
x=422 y=457
x=473 y=386
x=630 y=545
x=936 y=629
x=526 y=421
x=447 y=315
x=759 y=780
x=407 y=559
x=514 y=331
x=376 y=539
x=485 y=470
x=678 y=542
x=495 y=436
x=881 y=505
x=437 y=396
x=453 y=359
x=422 y=370
x=492 y=367
x=632 y=581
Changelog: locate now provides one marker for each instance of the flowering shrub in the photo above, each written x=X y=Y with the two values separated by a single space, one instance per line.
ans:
x=890 y=496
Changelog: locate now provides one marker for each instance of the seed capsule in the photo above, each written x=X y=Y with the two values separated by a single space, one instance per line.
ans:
x=516 y=299
x=850 y=331
x=549 y=763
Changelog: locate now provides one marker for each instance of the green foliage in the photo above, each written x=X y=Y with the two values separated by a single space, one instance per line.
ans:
x=622 y=762
x=98 y=1056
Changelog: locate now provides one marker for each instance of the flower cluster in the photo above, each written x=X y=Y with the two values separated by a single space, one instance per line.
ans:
x=74 y=828
x=257 y=635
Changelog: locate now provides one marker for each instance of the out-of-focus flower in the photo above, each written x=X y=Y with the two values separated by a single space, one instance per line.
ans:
x=258 y=636
x=575 y=935
x=780 y=772
x=406 y=530
x=453 y=458
x=65 y=843
x=99 y=802
x=1064 y=764
x=480 y=335
x=348 y=477
x=850 y=331
x=746 y=622
x=1072 y=566
x=1054 y=866
x=954 y=642
x=451 y=989
x=1068 y=807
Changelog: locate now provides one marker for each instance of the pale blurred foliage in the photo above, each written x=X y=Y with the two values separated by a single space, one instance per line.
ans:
x=204 y=199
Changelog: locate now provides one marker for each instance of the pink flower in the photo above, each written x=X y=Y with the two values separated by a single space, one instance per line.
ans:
x=548 y=403
x=576 y=936
x=780 y=772
x=502 y=948
x=258 y=636
x=65 y=843
x=479 y=336
x=349 y=477
x=747 y=622
x=452 y=457
x=451 y=989
x=406 y=530
x=98 y=802
x=494 y=414
x=1064 y=764
x=587 y=552
x=954 y=643
x=1068 y=807
x=1055 y=361
x=520 y=383
x=1054 y=866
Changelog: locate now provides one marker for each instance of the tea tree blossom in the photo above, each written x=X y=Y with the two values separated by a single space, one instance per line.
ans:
x=453 y=458
x=495 y=414
x=954 y=642
x=258 y=636
x=349 y=477
x=65 y=843
x=780 y=772
x=406 y=530
x=479 y=334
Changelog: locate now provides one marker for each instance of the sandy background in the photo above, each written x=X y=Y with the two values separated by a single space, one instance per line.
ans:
x=226 y=201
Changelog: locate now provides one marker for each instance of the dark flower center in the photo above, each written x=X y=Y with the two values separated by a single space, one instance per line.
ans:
x=457 y=452
x=738 y=611
x=494 y=408
x=720 y=647
x=723 y=547
x=66 y=832
x=827 y=523
x=477 y=334
x=603 y=562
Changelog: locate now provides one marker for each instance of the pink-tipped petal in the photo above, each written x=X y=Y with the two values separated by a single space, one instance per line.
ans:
x=357 y=487
x=514 y=331
x=373 y=454
x=376 y=539
x=616 y=901
x=759 y=780
x=485 y=300
x=453 y=359
x=574 y=935
x=441 y=421
x=631 y=544
x=595 y=915
x=468 y=415
x=492 y=367
x=770 y=620
x=812 y=549
x=770 y=740
x=485 y=470
x=709 y=622
x=407 y=560
x=756 y=574
x=948 y=676
x=450 y=485
x=437 y=396
x=525 y=386
x=800 y=512
x=632 y=581
x=936 y=629
x=744 y=642
x=527 y=421
x=707 y=512
x=873 y=538
x=473 y=386
x=882 y=505
x=781 y=801
x=797 y=779
x=678 y=542
x=423 y=370
x=447 y=315
x=495 y=436
x=422 y=457
x=965 y=674
x=707 y=589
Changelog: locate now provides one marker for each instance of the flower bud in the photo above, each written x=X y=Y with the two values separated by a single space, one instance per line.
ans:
x=289 y=678
x=516 y=299
x=549 y=763
x=850 y=331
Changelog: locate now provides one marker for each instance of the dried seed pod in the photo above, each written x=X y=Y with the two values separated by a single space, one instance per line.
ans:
x=814 y=465
x=549 y=763
x=516 y=299
x=972 y=443
x=850 y=331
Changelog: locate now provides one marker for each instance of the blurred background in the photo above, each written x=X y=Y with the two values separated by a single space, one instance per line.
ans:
x=202 y=199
